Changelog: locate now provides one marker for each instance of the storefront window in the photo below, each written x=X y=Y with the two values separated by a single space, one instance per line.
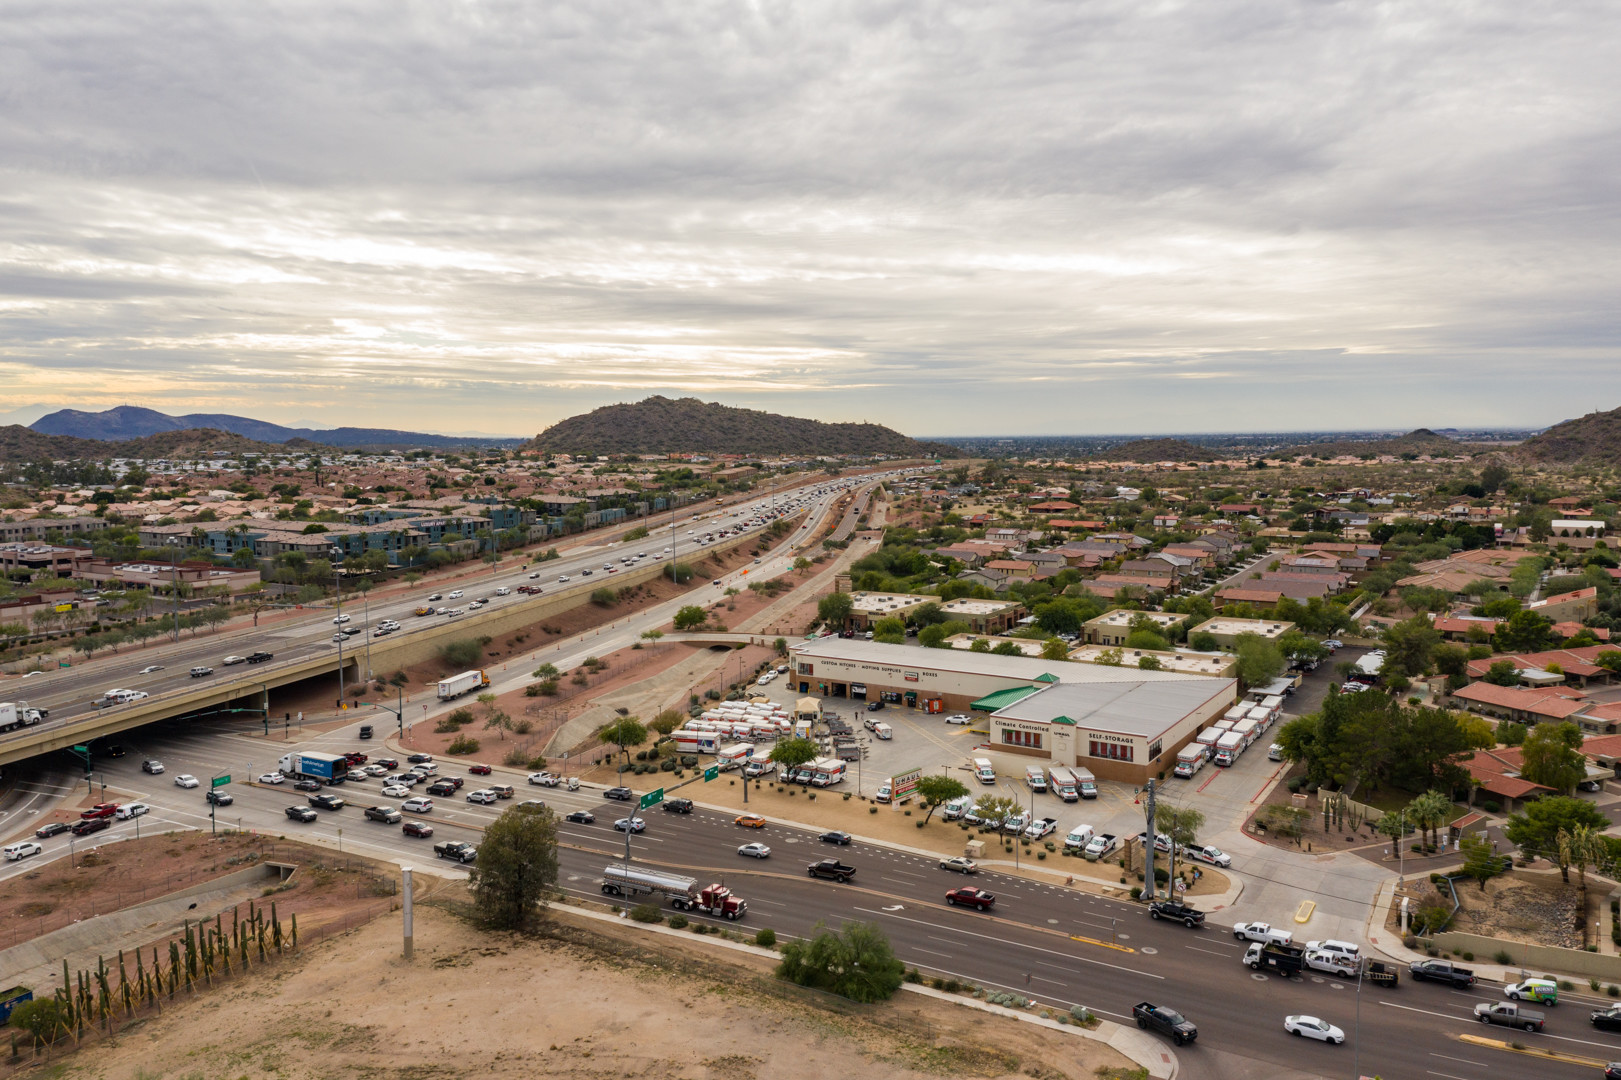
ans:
x=1113 y=751
x=1031 y=739
x=1154 y=749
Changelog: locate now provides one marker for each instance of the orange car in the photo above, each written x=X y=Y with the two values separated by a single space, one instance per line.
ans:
x=751 y=821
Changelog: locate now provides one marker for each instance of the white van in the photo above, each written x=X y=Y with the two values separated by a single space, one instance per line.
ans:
x=984 y=771
x=956 y=808
x=882 y=730
x=131 y=810
x=1035 y=778
x=1079 y=837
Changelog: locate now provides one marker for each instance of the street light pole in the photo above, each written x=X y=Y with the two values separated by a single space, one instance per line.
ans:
x=337 y=584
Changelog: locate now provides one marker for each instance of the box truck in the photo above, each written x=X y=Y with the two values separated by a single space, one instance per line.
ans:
x=1035 y=778
x=1189 y=760
x=1207 y=739
x=827 y=772
x=734 y=756
x=1086 y=782
x=1063 y=783
x=1228 y=748
x=984 y=771
x=465 y=683
x=1249 y=729
x=312 y=766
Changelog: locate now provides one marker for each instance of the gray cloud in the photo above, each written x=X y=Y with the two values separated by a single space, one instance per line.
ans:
x=1023 y=216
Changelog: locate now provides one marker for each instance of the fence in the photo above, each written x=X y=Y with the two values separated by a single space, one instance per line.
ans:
x=1541 y=957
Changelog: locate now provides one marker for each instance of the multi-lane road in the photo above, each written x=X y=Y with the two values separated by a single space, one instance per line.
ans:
x=1058 y=945
x=68 y=693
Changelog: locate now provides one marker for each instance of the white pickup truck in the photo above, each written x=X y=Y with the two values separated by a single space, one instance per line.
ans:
x=1100 y=845
x=1262 y=932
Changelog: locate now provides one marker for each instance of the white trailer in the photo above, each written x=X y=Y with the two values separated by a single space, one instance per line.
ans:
x=733 y=756
x=465 y=683
x=16 y=714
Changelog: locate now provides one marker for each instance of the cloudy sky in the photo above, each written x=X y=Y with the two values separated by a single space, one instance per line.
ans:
x=1011 y=217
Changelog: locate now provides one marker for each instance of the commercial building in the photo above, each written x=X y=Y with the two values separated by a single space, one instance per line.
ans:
x=1113 y=627
x=45 y=528
x=984 y=616
x=1123 y=723
x=1226 y=631
x=869 y=607
x=1219 y=665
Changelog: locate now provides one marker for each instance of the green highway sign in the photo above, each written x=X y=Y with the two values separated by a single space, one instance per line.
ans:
x=711 y=772
x=81 y=749
x=219 y=781
x=652 y=798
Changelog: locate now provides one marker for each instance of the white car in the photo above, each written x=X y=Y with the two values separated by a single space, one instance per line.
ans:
x=1340 y=948
x=229 y=660
x=456 y=595
x=185 y=780
x=1311 y=1027
x=396 y=791
x=374 y=770
x=22 y=850
x=1262 y=932
x=272 y=778
x=131 y=810
x=1214 y=856
x=418 y=805
x=544 y=779
x=503 y=591
x=959 y=718
x=562 y=577
x=340 y=619
x=150 y=668
x=482 y=795
x=755 y=851
x=1274 y=752
x=424 y=768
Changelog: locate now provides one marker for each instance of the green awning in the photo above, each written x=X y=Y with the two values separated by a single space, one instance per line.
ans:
x=1002 y=698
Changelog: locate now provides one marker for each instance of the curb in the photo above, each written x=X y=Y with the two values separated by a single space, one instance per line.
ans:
x=1554 y=1055
x=1117 y=1036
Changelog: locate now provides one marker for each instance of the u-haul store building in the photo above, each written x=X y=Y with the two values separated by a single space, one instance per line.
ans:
x=1122 y=723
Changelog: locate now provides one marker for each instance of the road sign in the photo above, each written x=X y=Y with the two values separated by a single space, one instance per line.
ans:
x=711 y=772
x=81 y=749
x=652 y=798
x=219 y=781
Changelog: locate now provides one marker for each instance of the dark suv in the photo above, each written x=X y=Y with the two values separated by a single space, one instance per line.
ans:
x=326 y=802
x=90 y=825
x=678 y=806
x=260 y=657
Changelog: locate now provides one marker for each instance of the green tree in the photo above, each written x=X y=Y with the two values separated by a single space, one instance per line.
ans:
x=1553 y=756
x=792 y=753
x=516 y=866
x=1148 y=640
x=935 y=790
x=835 y=608
x=932 y=637
x=1007 y=648
x=855 y=962
x=1410 y=647
x=690 y=617
x=1203 y=641
x=1054 y=649
x=1510 y=733
x=1478 y=860
x=1526 y=632
x=889 y=631
x=1181 y=824
x=1450 y=659
x=1502 y=673
x=994 y=809
x=461 y=653
x=667 y=721
x=495 y=718
x=1259 y=661
x=1536 y=830
x=625 y=732
x=1580 y=847
x=42 y=1018
x=1429 y=811
x=1432 y=740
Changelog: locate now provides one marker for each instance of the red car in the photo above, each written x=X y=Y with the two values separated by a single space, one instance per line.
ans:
x=355 y=757
x=968 y=896
x=479 y=770
x=417 y=828
x=100 y=810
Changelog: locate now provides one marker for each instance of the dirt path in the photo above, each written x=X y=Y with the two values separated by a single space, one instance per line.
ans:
x=487 y=1007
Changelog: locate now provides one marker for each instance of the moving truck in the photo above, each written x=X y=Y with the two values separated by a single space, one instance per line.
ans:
x=1207 y=739
x=465 y=683
x=1189 y=760
x=1225 y=724
x=881 y=730
x=1239 y=711
x=983 y=770
x=313 y=766
x=827 y=772
x=1249 y=729
x=1035 y=779
x=1063 y=783
x=1086 y=782
x=734 y=756
x=1228 y=747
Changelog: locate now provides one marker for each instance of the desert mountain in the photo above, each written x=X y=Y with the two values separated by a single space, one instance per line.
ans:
x=661 y=425
x=18 y=443
x=1595 y=437
x=132 y=422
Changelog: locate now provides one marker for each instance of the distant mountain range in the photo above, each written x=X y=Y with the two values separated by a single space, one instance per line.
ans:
x=127 y=422
x=661 y=425
x=18 y=443
x=1594 y=438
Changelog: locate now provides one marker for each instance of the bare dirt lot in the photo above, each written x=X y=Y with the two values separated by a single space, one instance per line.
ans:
x=474 y=1004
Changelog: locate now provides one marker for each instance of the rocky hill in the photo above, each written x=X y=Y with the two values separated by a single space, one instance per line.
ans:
x=1148 y=450
x=1418 y=442
x=18 y=443
x=132 y=422
x=1594 y=438
x=661 y=425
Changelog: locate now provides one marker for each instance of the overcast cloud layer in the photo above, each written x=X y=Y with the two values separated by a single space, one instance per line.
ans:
x=955 y=219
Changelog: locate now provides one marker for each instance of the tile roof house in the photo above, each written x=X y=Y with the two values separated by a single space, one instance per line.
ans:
x=1497 y=774
x=1521 y=705
x=1577 y=664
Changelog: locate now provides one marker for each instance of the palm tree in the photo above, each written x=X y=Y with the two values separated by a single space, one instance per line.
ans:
x=1580 y=847
x=1429 y=811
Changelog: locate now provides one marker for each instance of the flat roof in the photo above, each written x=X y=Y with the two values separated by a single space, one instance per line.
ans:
x=1188 y=663
x=869 y=601
x=965 y=606
x=1123 y=617
x=964 y=662
x=1146 y=707
x=1263 y=627
x=1027 y=646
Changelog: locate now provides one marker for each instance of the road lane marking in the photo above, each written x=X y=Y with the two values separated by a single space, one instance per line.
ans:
x=1020 y=944
x=931 y=952
x=1466 y=1061
x=1196 y=948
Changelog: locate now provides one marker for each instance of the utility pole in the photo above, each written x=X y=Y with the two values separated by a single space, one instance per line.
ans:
x=1153 y=885
x=174 y=586
x=337 y=584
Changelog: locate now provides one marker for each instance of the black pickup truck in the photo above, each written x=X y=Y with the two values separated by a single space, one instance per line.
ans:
x=1190 y=917
x=831 y=868
x=1441 y=971
x=459 y=850
x=1165 y=1021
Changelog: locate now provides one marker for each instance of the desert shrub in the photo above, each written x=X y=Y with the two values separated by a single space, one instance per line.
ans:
x=677 y=921
x=647 y=913
x=462 y=744
x=766 y=939
x=462 y=653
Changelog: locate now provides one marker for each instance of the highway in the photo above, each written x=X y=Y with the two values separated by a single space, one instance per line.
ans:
x=1060 y=946
x=68 y=694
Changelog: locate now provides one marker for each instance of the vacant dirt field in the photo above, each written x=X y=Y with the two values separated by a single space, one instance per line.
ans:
x=473 y=1004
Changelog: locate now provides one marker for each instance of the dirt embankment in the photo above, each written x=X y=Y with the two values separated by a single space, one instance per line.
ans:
x=662 y=1008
